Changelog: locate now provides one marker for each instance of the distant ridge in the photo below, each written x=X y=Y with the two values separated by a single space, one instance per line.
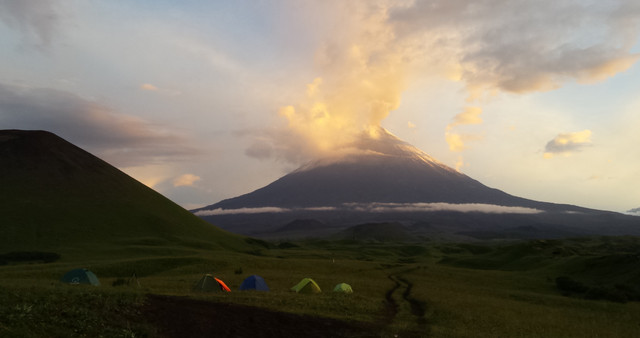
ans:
x=384 y=179
x=55 y=196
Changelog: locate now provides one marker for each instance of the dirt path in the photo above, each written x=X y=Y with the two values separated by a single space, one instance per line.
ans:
x=184 y=317
x=418 y=307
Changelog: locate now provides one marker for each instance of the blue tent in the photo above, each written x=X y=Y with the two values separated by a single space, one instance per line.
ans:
x=254 y=282
x=80 y=276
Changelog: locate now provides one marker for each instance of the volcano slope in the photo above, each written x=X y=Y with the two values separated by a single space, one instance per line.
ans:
x=58 y=197
x=384 y=179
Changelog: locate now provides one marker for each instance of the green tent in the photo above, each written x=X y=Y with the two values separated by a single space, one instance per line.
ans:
x=80 y=276
x=343 y=287
x=210 y=283
x=306 y=285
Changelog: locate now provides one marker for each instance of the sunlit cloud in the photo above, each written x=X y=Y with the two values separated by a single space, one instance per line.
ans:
x=470 y=115
x=148 y=86
x=459 y=163
x=153 y=88
x=568 y=143
x=455 y=140
x=494 y=47
x=186 y=180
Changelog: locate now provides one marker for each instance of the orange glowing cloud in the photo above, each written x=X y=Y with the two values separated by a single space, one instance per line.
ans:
x=456 y=141
x=568 y=143
x=148 y=86
x=185 y=180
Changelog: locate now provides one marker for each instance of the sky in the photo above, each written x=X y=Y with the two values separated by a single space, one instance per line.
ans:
x=207 y=100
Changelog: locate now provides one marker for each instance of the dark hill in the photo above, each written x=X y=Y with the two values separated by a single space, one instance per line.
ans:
x=56 y=196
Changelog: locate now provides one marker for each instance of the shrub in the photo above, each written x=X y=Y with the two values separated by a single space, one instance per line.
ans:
x=612 y=295
x=29 y=256
x=568 y=285
x=119 y=281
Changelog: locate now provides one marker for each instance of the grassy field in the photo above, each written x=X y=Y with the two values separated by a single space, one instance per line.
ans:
x=432 y=289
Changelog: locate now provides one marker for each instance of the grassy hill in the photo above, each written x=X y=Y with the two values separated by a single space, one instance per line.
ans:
x=58 y=197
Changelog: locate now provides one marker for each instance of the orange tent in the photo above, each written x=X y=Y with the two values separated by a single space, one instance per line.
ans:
x=210 y=283
x=223 y=286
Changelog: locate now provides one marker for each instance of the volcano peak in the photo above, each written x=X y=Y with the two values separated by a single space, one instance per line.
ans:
x=376 y=145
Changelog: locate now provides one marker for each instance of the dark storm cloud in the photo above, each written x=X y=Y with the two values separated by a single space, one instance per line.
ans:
x=120 y=139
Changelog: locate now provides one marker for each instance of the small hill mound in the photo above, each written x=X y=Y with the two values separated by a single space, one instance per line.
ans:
x=382 y=232
x=56 y=196
x=302 y=225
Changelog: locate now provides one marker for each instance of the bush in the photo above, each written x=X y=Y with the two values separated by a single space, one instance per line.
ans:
x=606 y=294
x=630 y=292
x=29 y=256
x=287 y=245
x=119 y=281
x=568 y=285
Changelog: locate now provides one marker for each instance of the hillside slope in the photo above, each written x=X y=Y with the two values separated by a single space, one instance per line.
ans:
x=55 y=195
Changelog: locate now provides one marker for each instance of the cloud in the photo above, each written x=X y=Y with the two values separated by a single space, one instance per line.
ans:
x=241 y=211
x=120 y=139
x=148 y=86
x=185 y=180
x=154 y=88
x=523 y=46
x=568 y=143
x=364 y=63
x=37 y=20
x=456 y=141
x=470 y=115
x=384 y=207
x=430 y=207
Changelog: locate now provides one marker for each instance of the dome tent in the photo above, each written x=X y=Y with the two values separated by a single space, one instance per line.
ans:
x=80 y=276
x=306 y=285
x=210 y=283
x=254 y=282
x=343 y=287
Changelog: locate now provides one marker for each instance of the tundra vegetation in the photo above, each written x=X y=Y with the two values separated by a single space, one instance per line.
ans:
x=583 y=287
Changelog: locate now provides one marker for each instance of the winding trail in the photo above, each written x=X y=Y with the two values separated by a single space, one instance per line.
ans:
x=418 y=308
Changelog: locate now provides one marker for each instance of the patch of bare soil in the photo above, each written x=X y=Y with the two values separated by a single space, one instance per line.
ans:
x=184 y=317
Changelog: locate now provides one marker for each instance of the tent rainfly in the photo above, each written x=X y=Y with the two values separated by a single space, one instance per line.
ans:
x=80 y=276
x=343 y=287
x=210 y=283
x=254 y=282
x=306 y=285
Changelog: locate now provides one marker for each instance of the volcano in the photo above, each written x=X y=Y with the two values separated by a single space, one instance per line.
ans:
x=382 y=178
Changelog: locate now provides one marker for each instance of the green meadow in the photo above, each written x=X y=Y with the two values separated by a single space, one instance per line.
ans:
x=417 y=290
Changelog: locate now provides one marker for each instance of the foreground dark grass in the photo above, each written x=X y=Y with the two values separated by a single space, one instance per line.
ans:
x=421 y=290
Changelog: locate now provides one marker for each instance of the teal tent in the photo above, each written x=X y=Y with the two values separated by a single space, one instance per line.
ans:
x=80 y=276
x=343 y=287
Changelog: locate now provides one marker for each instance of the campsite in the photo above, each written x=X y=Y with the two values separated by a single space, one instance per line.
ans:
x=409 y=290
